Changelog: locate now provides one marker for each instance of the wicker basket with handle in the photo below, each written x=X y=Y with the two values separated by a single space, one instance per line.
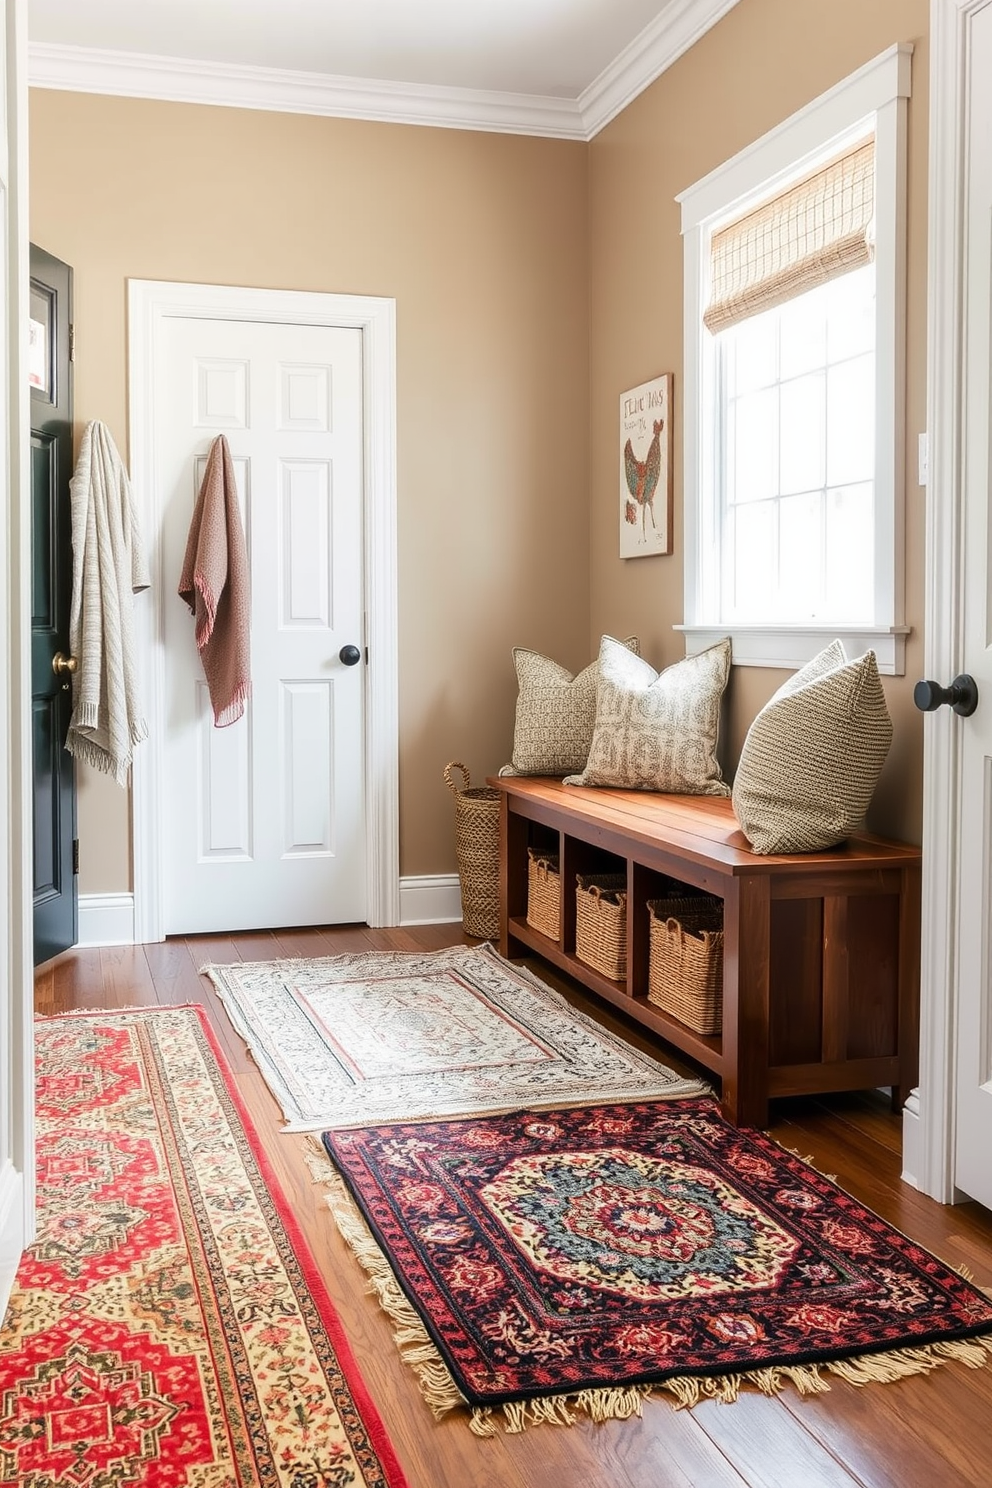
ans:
x=544 y=892
x=601 y=923
x=476 y=852
x=685 y=965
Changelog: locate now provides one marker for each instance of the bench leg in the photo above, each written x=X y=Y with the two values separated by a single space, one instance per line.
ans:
x=746 y=967
x=512 y=875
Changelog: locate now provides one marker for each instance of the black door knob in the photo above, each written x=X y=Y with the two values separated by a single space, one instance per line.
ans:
x=350 y=655
x=962 y=695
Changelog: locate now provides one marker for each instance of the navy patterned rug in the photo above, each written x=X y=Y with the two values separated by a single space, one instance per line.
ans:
x=584 y=1257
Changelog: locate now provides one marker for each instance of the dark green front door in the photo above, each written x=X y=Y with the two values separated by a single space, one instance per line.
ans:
x=56 y=913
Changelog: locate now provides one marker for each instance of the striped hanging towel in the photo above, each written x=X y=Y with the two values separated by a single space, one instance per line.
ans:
x=108 y=567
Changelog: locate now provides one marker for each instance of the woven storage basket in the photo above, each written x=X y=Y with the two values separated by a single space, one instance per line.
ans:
x=685 y=966
x=544 y=893
x=601 y=923
x=477 y=853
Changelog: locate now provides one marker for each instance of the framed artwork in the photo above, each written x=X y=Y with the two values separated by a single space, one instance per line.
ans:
x=646 y=491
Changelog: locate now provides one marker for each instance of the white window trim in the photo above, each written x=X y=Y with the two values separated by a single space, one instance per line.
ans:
x=881 y=89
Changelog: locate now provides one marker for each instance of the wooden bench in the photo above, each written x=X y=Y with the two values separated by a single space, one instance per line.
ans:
x=821 y=950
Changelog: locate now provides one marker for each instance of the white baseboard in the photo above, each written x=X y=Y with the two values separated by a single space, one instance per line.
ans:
x=431 y=899
x=106 y=919
x=11 y=1229
x=428 y=899
x=912 y=1138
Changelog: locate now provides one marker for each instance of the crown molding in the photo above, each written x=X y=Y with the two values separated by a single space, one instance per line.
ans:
x=233 y=85
x=679 y=26
x=181 y=80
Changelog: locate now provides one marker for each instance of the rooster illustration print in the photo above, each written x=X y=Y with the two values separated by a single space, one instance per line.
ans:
x=642 y=478
x=645 y=474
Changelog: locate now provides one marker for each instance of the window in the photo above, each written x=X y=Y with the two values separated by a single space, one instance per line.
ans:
x=794 y=255
x=795 y=425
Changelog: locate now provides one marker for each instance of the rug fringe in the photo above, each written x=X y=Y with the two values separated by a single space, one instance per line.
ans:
x=968 y=1275
x=885 y=1369
x=803 y=1157
x=130 y=1007
x=411 y=1337
x=320 y=1167
x=417 y=1349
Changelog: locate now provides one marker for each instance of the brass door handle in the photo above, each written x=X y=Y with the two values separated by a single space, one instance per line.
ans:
x=62 y=664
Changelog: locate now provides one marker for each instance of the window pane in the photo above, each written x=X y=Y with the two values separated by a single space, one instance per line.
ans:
x=41 y=328
x=755 y=450
x=851 y=314
x=798 y=421
x=804 y=409
x=804 y=333
x=851 y=421
x=850 y=558
x=755 y=347
x=800 y=569
x=753 y=528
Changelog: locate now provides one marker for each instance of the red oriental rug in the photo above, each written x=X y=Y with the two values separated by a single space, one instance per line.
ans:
x=585 y=1257
x=169 y=1327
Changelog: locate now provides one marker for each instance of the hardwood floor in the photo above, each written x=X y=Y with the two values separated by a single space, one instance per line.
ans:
x=934 y=1431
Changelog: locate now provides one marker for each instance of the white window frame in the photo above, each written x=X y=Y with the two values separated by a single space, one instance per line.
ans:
x=876 y=95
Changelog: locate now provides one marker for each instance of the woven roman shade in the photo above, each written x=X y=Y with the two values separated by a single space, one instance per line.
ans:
x=818 y=229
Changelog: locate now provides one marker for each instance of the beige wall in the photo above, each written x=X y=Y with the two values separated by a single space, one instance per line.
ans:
x=762 y=62
x=481 y=238
x=534 y=281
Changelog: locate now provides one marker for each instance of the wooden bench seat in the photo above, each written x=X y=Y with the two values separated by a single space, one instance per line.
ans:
x=821 y=950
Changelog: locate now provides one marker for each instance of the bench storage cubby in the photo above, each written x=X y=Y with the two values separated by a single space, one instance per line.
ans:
x=821 y=950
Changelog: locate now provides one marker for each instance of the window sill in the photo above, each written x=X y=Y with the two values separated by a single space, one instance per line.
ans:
x=791 y=646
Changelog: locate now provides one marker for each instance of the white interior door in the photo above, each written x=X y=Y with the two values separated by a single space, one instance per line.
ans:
x=973 y=1147
x=264 y=821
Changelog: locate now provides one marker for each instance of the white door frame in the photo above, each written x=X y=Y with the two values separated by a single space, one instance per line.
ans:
x=17 y=1161
x=931 y=1135
x=150 y=302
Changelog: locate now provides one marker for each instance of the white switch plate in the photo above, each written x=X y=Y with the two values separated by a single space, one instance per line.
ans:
x=924 y=459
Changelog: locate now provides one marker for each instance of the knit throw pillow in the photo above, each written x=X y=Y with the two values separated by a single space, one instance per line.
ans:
x=812 y=757
x=555 y=714
x=658 y=732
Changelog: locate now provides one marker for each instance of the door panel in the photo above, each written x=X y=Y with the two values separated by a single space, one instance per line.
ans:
x=50 y=371
x=973 y=1168
x=266 y=818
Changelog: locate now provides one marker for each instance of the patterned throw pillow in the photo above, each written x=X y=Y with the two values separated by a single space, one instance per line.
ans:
x=813 y=755
x=555 y=714
x=658 y=732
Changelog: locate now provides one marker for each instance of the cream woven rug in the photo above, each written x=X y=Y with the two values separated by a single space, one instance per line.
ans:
x=359 y=1040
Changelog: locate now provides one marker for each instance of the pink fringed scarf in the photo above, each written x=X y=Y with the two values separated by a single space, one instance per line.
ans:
x=215 y=585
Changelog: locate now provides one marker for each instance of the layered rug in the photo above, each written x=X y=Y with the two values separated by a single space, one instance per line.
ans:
x=398 y=1036
x=168 y=1327
x=540 y=1262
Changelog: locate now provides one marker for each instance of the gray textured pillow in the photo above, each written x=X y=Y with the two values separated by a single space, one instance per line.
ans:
x=555 y=714
x=813 y=755
x=658 y=732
